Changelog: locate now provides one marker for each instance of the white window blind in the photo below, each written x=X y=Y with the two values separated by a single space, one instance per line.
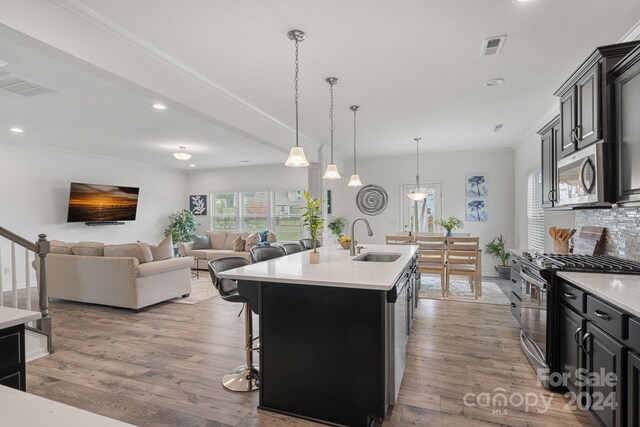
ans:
x=535 y=214
x=251 y=211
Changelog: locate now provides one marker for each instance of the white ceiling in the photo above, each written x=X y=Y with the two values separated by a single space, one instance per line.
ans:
x=413 y=67
x=91 y=114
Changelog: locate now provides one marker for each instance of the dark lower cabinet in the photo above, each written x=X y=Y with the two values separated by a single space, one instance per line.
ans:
x=606 y=392
x=633 y=393
x=12 y=362
x=571 y=353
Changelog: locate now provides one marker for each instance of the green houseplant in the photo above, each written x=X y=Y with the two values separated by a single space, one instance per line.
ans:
x=182 y=226
x=497 y=250
x=312 y=221
x=450 y=224
x=337 y=226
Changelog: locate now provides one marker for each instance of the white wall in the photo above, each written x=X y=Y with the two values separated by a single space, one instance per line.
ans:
x=35 y=191
x=449 y=169
x=245 y=178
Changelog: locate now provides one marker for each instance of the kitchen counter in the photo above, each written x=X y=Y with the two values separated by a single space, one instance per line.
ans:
x=336 y=269
x=26 y=410
x=622 y=290
x=332 y=335
x=14 y=316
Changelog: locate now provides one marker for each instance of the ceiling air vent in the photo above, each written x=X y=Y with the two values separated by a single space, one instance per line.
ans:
x=21 y=86
x=498 y=127
x=492 y=45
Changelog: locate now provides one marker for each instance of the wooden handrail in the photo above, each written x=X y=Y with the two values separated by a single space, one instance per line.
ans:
x=41 y=248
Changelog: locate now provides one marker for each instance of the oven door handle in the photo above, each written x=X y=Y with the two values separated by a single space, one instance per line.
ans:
x=524 y=337
x=533 y=280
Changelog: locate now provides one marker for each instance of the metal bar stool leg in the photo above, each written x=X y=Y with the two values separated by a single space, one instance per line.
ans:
x=245 y=378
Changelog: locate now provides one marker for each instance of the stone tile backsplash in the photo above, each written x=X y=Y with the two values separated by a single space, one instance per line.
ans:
x=623 y=229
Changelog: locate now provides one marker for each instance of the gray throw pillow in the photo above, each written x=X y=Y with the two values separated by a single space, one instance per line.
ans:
x=201 y=242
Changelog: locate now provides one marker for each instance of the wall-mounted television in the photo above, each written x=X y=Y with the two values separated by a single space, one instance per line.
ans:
x=102 y=204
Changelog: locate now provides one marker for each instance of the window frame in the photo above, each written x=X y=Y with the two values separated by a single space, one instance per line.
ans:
x=535 y=212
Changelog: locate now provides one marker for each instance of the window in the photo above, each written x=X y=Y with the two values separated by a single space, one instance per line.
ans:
x=535 y=214
x=251 y=211
x=255 y=211
x=225 y=212
x=287 y=208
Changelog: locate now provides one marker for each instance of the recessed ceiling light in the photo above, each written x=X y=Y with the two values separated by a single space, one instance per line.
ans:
x=521 y=1
x=192 y=166
x=159 y=106
x=493 y=82
x=16 y=130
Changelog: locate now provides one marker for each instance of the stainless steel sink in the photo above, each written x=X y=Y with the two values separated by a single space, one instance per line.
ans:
x=377 y=257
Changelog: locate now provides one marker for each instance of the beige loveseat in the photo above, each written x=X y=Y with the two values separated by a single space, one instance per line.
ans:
x=221 y=243
x=118 y=281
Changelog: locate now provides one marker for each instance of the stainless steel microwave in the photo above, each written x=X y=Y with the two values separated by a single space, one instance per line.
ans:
x=585 y=177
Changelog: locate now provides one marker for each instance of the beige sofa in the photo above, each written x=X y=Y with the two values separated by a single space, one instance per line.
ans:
x=118 y=281
x=221 y=243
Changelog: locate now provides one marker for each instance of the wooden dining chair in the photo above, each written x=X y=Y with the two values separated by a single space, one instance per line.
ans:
x=463 y=259
x=400 y=240
x=432 y=258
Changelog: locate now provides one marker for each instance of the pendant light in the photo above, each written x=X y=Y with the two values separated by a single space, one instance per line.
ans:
x=296 y=159
x=416 y=194
x=355 y=179
x=182 y=154
x=332 y=169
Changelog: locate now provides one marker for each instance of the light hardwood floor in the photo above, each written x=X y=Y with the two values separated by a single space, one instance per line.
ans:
x=163 y=367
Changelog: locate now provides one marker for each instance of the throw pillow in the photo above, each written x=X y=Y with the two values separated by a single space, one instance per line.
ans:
x=87 y=250
x=239 y=244
x=252 y=240
x=164 y=249
x=263 y=235
x=201 y=242
x=271 y=237
x=140 y=251
x=58 y=247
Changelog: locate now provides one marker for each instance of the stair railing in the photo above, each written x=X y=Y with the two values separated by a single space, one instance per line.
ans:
x=40 y=248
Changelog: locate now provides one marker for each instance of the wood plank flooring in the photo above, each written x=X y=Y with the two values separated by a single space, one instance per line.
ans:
x=163 y=366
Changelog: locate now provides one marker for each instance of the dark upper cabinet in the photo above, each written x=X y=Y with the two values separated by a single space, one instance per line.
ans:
x=633 y=396
x=626 y=86
x=585 y=100
x=606 y=355
x=549 y=135
x=571 y=354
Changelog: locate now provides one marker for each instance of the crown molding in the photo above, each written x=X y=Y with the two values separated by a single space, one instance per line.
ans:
x=95 y=18
x=632 y=34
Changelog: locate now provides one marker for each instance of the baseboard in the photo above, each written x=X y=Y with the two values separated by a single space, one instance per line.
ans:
x=35 y=345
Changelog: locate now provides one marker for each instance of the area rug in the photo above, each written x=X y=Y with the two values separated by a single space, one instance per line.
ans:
x=460 y=290
x=201 y=290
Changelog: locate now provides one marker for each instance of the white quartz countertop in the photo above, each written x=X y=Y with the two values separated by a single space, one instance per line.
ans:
x=622 y=290
x=14 y=316
x=20 y=409
x=336 y=268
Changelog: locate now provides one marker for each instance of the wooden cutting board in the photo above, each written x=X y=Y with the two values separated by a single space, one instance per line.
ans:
x=584 y=246
x=593 y=233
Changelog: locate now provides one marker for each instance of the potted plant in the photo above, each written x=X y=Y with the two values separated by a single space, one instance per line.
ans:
x=450 y=224
x=312 y=221
x=337 y=226
x=182 y=227
x=497 y=250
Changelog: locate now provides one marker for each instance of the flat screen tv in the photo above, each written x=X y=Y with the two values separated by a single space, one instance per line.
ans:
x=102 y=203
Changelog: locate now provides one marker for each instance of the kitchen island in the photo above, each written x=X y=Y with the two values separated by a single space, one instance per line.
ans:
x=332 y=335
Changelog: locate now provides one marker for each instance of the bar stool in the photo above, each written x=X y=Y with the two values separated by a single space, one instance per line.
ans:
x=291 y=248
x=265 y=253
x=246 y=377
x=307 y=244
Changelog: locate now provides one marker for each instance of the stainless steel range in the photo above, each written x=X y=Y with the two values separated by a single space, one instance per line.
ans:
x=535 y=299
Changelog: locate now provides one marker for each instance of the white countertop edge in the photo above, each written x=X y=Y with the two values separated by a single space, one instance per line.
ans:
x=601 y=285
x=28 y=410
x=407 y=253
x=10 y=316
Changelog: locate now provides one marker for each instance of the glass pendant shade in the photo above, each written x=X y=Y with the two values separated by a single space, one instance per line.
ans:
x=355 y=181
x=182 y=154
x=297 y=159
x=416 y=195
x=331 y=172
